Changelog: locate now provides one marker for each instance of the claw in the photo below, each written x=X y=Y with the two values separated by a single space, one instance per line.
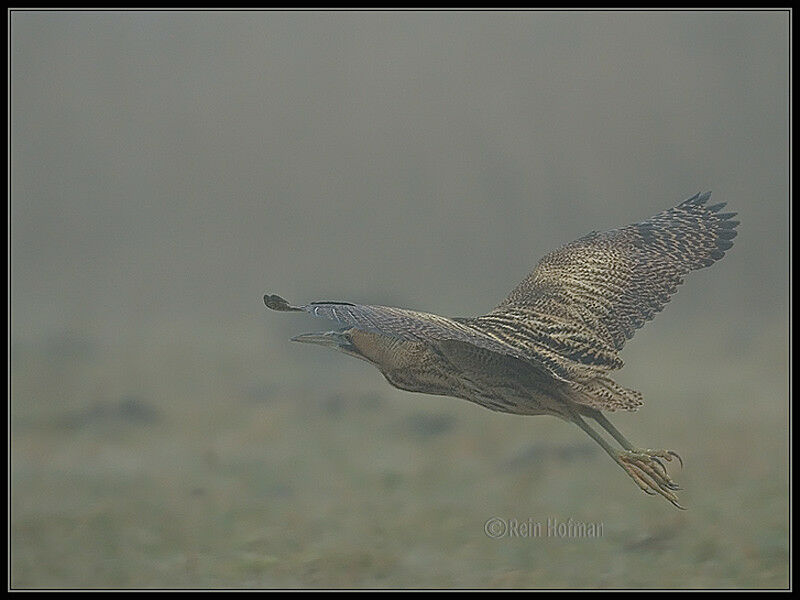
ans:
x=653 y=483
x=649 y=472
x=640 y=482
x=653 y=474
x=660 y=464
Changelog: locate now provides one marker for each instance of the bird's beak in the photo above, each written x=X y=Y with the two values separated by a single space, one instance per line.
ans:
x=335 y=340
x=329 y=339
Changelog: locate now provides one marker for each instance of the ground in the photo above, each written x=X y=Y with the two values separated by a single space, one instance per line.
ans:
x=230 y=459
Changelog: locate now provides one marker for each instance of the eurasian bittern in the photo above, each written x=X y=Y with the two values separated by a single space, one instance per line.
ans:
x=549 y=347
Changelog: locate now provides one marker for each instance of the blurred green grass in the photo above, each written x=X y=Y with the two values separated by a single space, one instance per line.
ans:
x=168 y=459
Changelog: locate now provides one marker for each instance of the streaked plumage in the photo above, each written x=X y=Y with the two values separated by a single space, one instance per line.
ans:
x=551 y=345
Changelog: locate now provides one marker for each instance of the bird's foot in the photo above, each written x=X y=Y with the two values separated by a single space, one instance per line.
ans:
x=646 y=468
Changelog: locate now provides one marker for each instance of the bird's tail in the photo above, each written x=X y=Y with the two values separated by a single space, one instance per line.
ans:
x=603 y=393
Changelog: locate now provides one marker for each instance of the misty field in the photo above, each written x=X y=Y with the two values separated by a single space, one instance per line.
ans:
x=169 y=168
x=261 y=464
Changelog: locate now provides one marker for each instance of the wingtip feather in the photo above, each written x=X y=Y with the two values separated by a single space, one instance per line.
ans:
x=275 y=302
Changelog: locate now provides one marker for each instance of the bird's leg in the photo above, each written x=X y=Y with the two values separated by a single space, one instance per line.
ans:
x=606 y=424
x=643 y=466
x=667 y=455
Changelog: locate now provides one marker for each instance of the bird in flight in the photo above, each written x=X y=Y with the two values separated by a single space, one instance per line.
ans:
x=550 y=347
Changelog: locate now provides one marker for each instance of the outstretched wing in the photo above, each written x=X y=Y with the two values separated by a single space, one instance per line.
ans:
x=573 y=313
x=399 y=323
x=584 y=300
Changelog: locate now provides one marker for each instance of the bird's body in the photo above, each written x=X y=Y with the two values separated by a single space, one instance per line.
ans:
x=495 y=381
x=550 y=346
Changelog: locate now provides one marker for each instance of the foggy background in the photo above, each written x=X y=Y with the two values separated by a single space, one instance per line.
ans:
x=168 y=169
